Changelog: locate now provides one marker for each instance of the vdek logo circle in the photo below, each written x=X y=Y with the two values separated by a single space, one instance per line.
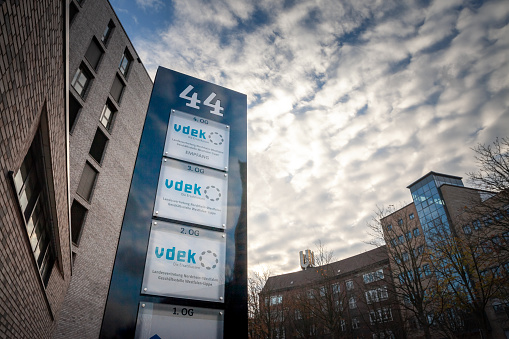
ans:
x=212 y=193
x=210 y=259
x=216 y=138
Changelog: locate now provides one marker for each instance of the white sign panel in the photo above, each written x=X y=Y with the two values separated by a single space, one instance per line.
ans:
x=197 y=140
x=185 y=262
x=165 y=321
x=192 y=194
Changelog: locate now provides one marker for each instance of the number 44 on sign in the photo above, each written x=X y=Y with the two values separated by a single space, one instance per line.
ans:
x=193 y=101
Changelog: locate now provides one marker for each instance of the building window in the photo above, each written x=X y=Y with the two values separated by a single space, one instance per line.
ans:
x=349 y=285
x=486 y=247
x=373 y=276
x=107 y=32
x=401 y=239
x=389 y=227
x=81 y=80
x=467 y=229
x=74 y=110
x=426 y=270
x=78 y=213
x=506 y=237
x=376 y=295
x=411 y=216
x=343 y=325
x=416 y=232
x=380 y=316
x=117 y=89
x=408 y=235
x=30 y=185
x=400 y=222
x=405 y=256
x=355 y=323
x=420 y=249
x=73 y=11
x=352 y=303
x=87 y=182
x=336 y=288
x=94 y=53
x=125 y=62
x=107 y=115
x=477 y=224
x=276 y=299
x=98 y=146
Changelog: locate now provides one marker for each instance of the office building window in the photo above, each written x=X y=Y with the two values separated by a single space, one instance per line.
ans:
x=73 y=11
x=467 y=229
x=107 y=115
x=81 y=80
x=98 y=146
x=117 y=89
x=30 y=185
x=477 y=224
x=349 y=285
x=355 y=323
x=352 y=303
x=125 y=62
x=87 y=182
x=416 y=232
x=78 y=213
x=400 y=222
x=411 y=216
x=401 y=239
x=107 y=32
x=74 y=110
x=94 y=53
x=276 y=299
x=408 y=235
x=389 y=227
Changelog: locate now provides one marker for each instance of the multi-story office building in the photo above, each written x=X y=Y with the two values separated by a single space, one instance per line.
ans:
x=108 y=98
x=35 y=254
x=73 y=99
x=350 y=298
x=447 y=253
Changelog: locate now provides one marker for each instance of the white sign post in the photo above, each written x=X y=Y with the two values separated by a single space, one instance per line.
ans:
x=185 y=262
x=166 y=321
x=197 y=140
x=191 y=193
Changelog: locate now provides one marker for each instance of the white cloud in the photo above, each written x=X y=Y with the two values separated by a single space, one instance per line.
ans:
x=349 y=103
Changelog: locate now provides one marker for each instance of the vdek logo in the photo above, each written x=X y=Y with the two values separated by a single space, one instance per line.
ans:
x=179 y=186
x=213 y=137
x=208 y=259
x=181 y=255
x=188 y=130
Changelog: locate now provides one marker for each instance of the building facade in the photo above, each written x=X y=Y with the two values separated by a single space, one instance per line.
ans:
x=350 y=298
x=108 y=98
x=73 y=99
x=448 y=252
x=35 y=252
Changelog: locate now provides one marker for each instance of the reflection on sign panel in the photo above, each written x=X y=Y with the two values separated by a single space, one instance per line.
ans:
x=192 y=194
x=173 y=321
x=197 y=140
x=185 y=262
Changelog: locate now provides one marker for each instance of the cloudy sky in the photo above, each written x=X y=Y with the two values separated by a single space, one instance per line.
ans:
x=348 y=101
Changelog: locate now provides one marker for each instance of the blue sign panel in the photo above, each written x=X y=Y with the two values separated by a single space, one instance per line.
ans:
x=199 y=163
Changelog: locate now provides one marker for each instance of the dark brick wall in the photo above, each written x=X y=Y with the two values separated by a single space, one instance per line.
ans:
x=32 y=74
x=81 y=316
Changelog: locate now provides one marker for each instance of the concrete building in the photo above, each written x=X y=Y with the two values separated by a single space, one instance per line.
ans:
x=109 y=94
x=35 y=252
x=448 y=252
x=73 y=99
x=350 y=298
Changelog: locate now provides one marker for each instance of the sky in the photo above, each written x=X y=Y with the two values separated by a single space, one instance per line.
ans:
x=349 y=102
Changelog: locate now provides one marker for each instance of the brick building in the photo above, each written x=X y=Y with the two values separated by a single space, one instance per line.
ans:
x=73 y=99
x=448 y=252
x=108 y=98
x=350 y=298
x=35 y=253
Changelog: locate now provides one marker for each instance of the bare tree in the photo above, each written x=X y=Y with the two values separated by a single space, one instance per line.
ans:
x=492 y=177
x=409 y=258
